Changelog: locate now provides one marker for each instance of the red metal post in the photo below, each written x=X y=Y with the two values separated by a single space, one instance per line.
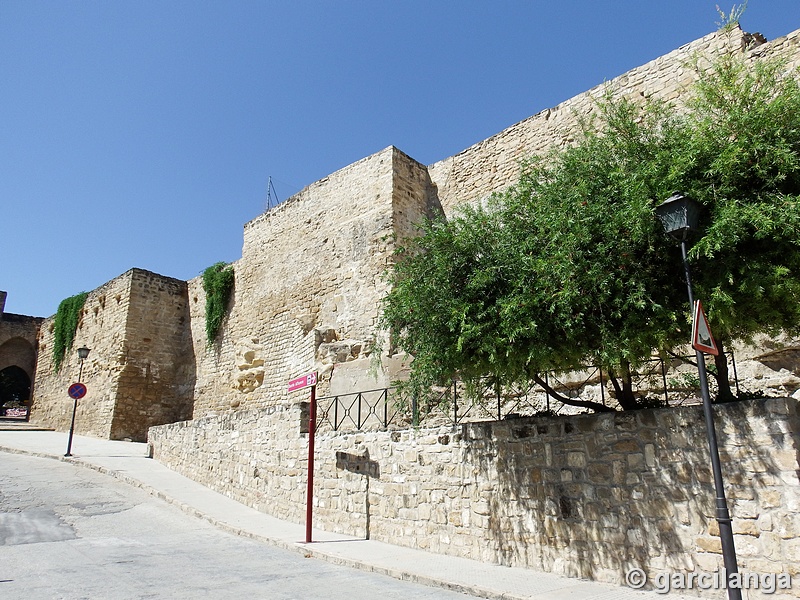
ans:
x=312 y=426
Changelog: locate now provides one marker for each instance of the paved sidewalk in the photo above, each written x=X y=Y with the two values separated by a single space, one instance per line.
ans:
x=128 y=462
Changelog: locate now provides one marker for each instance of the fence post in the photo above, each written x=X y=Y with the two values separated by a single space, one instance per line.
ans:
x=735 y=375
x=455 y=405
x=336 y=413
x=664 y=378
x=602 y=386
x=547 y=391
x=497 y=391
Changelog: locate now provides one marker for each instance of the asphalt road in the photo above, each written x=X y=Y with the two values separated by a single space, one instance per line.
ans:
x=68 y=532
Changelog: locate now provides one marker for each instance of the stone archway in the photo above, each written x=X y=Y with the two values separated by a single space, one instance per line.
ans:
x=15 y=392
x=19 y=352
x=17 y=367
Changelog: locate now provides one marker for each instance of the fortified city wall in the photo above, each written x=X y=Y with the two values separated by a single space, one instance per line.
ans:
x=309 y=284
x=311 y=277
x=494 y=163
x=307 y=294
x=310 y=281
x=139 y=372
x=18 y=343
x=589 y=496
x=586 y=496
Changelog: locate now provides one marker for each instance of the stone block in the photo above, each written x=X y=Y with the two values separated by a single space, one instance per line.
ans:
x=708 y=544
x=650 y=455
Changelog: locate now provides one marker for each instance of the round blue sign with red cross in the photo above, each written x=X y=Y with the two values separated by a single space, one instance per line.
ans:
x=77 y=390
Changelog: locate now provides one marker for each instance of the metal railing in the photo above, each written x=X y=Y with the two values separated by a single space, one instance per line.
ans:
x=359 y=410
x=659 y=380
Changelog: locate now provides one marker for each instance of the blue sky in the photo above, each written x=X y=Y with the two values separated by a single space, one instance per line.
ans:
x=143 y=134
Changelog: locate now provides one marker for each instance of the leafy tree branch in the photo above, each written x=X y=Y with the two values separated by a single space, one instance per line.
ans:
x=570 y=266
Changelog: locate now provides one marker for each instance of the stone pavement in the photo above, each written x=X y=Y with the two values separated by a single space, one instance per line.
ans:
x=128 y=461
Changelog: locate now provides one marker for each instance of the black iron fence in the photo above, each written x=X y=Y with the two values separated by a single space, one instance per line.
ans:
x=361 y=410
x=658 y=382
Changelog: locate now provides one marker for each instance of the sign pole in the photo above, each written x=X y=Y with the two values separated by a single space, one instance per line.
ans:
x=299 y=383
x=75 y=391
x=312 y=426
x=703 y=341
x=72 y=427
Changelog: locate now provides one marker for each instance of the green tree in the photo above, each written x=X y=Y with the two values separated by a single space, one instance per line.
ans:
x=567 y=266
x=570 y=265
x=744 y=166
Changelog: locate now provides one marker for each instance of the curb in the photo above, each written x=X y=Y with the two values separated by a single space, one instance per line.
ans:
x=297 y=547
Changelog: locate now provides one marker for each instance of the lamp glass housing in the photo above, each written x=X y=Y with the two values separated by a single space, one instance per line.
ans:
x=83 y=352
x=679 y=215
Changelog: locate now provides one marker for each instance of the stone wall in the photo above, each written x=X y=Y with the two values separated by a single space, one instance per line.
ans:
x=139 y=369
x=311 y=278
x=156 y=377
x=587 y=496
x=102 y=330
x=307 y=296
x=494 y=163
x=18 y=348
x=309 y=284
x=18 y=335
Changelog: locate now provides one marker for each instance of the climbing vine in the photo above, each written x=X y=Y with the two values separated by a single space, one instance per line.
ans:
x=65 y=326
x=218 y=285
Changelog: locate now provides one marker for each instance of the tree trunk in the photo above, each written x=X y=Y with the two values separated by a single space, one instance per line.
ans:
x=721 y=375
x=595 y=406
x=624 y=391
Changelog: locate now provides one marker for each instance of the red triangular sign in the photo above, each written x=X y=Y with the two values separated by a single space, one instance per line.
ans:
x=702 y=339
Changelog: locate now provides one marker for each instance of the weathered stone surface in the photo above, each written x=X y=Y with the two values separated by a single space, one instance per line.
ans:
x=18 y=346
x=395 y=484
x=140 y=370
x=491 y=164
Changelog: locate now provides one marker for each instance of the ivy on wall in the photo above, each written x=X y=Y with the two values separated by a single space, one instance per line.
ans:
x=65 y=326
x=218 y=284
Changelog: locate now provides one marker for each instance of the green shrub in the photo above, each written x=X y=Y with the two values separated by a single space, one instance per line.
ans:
x=218 y=284
x=66 y=324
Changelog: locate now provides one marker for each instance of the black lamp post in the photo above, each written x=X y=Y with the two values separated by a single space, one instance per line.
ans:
x=680 y=216
x=83 y=353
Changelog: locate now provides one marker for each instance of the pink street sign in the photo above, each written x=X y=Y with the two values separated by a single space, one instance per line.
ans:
x=298 y=383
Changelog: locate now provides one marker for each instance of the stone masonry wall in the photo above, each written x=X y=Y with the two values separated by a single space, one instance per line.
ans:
x=139 y=370
x=156 y=380
x=309 y=284
x=494 y=163
x=101 y=329
x=18 y=348
x=18 y=335
x=587 y=496
x=310 y=280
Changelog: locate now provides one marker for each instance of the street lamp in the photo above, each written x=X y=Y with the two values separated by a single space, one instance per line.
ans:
x=83 y=353
x=680 y=216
